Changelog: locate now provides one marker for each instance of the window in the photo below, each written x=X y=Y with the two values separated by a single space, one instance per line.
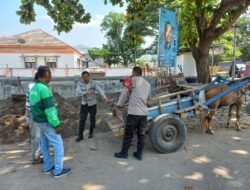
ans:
x=29 y=65
x=51 y=62
x=30 y=62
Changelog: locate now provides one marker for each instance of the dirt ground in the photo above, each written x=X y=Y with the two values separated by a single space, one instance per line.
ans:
x=207 y=162
x=13 y=127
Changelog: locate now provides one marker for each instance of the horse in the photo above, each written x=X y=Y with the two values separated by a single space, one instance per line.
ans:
x=235 y=98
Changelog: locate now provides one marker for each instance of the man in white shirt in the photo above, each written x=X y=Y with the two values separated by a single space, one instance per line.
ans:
x=87 y=89
x=137 y=114
x=34 y=130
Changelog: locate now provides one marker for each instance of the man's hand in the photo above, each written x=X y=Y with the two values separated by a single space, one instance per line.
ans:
x=59 y=130
x=90 y=93
x=120 y=106
x=149 y=103
x=107 y=101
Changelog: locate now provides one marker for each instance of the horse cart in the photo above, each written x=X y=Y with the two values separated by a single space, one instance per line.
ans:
x=167 y=131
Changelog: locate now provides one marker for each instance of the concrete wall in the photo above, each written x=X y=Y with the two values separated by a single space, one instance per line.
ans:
x=12 y=60
x=20 y=72
x=63 y=72
x=66 y=60
x=15 y=60
x=40 y=61
x=76 y=64
x=23 y=72
x=65 y=86
x=119 y=72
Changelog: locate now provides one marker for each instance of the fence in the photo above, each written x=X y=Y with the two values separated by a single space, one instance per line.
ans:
x=160 y=81
x=56 y=72
x=65 y=86
x=214 y=69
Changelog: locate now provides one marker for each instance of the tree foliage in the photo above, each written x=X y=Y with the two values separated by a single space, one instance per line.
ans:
x=64 y=13
x=98 y=53
x=242 y=41
x=243 y=37
x=227 y=41
x=123 y=43
x=113 y=26
x=202 y=22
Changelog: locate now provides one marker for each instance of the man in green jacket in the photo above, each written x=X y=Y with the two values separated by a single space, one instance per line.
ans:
x=45 y=116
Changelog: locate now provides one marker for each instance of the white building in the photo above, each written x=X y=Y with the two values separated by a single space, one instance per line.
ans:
x=186 y=62
x=31 y=49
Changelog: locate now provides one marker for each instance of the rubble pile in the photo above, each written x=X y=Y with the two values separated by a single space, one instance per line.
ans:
x=13 y=127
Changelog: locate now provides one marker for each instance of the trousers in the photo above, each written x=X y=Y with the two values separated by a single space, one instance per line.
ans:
x=49 y=137
x=35 y=136
x=85 y=109
x=136 y=123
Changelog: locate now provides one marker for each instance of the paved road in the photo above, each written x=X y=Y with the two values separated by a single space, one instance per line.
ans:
x=218 y=162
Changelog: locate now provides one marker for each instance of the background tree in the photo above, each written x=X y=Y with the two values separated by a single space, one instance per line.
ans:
x=205 y=21
x=123 y=40
x=243 y=37
x=112 y=56
x=133 y=38
x=97 y=53
x=227 y=41
x=242 y=41
x=113 y=26
x=202 y=22
x=143 y=20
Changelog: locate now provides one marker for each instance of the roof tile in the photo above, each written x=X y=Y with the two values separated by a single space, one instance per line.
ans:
x=34 y=37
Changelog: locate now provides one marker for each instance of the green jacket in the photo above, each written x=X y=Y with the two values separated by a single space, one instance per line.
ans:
x=43 y=105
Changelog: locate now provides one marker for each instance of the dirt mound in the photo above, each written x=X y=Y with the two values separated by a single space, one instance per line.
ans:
x=68 y=114
x=13 y=127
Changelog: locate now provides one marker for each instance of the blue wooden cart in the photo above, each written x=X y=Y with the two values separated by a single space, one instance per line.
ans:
x=167 y=131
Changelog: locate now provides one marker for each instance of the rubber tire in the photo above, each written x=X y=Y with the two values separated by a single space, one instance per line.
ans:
x=152 y=122
x=163 y=122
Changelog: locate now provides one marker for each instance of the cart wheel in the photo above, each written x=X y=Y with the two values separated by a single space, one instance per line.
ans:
x=168 y=133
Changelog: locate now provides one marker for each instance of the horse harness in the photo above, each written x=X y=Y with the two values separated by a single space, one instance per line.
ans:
x=239 y=94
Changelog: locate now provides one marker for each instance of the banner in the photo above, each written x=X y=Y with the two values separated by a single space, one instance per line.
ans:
x=168 y=38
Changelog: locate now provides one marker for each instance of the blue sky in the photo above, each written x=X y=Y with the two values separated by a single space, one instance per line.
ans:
x=87 y=34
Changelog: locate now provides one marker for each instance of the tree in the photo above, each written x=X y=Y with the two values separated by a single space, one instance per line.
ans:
x=113 y=25
x=112 y=56
x=122 y=41
x=205 y=21
x=243 y=37
x=134 y=37
x=107 y=53
x=227 y=41
x=97 y=53
x=242 y=41
x=64 y=13
x=202 y=22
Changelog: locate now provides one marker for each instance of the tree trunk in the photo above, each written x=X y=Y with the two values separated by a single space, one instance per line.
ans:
x=201 y=56
x=202 y=67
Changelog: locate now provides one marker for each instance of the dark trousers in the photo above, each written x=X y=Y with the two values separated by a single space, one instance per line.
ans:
x=85 y=109
x=135 y=123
